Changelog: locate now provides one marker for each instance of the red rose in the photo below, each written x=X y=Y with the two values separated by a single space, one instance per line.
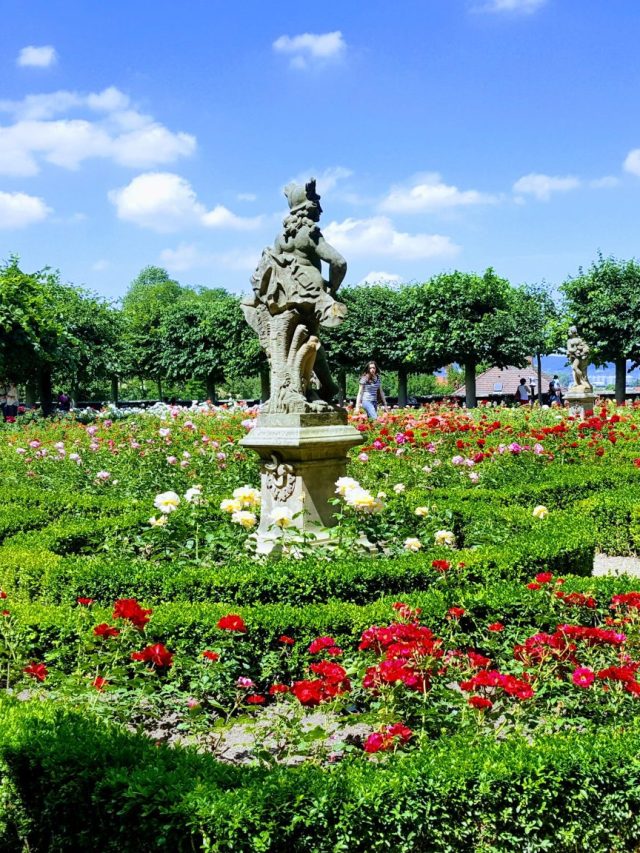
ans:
x=278 y=688
x=455 y=612
x=210 y=655
x=232 y=622
x=495 y=626
x=3 y=594
x=544 y=577
x=36 y=670
x=104 y=630
x=99 y=683
x=321 y=643
x=156 y=655
x=480 y=703
x=256 y=699
x=286 y=641
x=87 y=602
x=441 y=565
x=129 y=609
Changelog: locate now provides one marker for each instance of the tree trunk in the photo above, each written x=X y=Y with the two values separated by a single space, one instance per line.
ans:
x=211 y=389
x=621 y=380
x=46 y=391
x=342 y=387
x=114 y=389
x=539 y=363
x=31 y=392
x=470 y=384
x=402 y=386
x=159 y=381
x=265 y=383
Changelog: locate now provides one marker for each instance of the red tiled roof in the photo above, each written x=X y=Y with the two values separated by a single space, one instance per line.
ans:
x=508 y=377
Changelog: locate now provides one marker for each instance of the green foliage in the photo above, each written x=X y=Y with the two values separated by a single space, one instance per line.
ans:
x=72 y=784
x=604 y=302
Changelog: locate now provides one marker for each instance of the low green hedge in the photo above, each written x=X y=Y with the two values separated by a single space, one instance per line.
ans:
x=189 y=628
x=69 y=783
x=30 y=568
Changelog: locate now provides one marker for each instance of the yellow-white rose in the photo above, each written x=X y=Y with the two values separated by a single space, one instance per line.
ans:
x=421 y=511
x=412 y=544
x=193 y=495
x=167 y=502
x=248 y=496
x=230 y=505
x=282 y=516
x=540 y=512
x=158 y=522
x=444 y=537
x=399 y=488
x=245 y=518
x=362 y=500
x=345 y=485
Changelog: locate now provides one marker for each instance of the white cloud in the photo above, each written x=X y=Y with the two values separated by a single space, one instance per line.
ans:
x=605 y=183
x=429 y=193
x=166 y=202
x=377 y=236
x=246 y=197
x=311 y=48
x=525 y=7
x=632 y=162
x=326 y=180
x=542 y=186
x=100 y=265
x=380 y=278
x=37 y=57
x=188 y=256
x=119 y=133
x=17 y=210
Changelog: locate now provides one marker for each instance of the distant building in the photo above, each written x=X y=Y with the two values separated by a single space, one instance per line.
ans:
x=499 y=383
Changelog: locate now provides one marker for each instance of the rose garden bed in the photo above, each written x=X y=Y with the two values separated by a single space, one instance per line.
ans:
x=480 y=687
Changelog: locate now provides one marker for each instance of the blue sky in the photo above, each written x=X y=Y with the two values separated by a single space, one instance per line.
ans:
x=443 y=133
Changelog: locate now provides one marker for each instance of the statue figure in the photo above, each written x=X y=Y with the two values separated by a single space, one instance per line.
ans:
x=578 y=353
x=291 y=300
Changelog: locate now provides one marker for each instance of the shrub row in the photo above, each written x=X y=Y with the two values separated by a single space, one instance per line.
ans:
x=190 y=628
x=70 y=783
x=30 y=568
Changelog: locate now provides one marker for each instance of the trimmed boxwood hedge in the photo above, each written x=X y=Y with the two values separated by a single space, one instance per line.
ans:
x=70 y=783
x=189 y=628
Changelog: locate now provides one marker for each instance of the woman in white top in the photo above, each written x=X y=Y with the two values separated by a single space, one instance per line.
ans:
x=370 y=391
x=522 y=393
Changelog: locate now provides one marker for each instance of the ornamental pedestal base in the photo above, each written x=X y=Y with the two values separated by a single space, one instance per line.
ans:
x=301 y=457
x=580 y=399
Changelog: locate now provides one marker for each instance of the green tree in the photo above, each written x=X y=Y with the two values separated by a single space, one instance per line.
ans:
x=378 y=327
x=89 y=352
x=541 y=323
x=469 y=319
x=205 y=336
x=604 y=303
x=151 y=294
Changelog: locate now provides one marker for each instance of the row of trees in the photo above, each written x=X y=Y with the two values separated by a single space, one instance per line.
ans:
x=163 y=332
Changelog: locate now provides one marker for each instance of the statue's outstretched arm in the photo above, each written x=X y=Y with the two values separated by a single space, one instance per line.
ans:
x=337 y=264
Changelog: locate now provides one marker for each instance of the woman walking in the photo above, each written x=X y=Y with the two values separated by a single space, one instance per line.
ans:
x=370 y=392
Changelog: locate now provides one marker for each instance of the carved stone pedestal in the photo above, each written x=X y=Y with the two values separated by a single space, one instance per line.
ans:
x=302 y=456
x=580 y=399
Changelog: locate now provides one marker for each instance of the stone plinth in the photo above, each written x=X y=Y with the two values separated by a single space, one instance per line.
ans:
x=301 y=456
x=580 y=398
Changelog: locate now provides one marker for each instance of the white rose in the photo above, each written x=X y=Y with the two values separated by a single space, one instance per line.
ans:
x=166 y=502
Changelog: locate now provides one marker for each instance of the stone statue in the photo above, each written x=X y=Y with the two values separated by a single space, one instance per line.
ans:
x=291 y=300
x=578 y=353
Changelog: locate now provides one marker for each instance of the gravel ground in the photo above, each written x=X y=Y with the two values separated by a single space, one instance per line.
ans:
x=604 y=565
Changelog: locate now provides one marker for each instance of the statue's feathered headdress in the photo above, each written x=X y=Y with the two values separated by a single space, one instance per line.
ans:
x=299 y=195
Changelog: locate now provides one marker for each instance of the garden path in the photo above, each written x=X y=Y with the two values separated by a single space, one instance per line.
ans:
x=605 y=565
